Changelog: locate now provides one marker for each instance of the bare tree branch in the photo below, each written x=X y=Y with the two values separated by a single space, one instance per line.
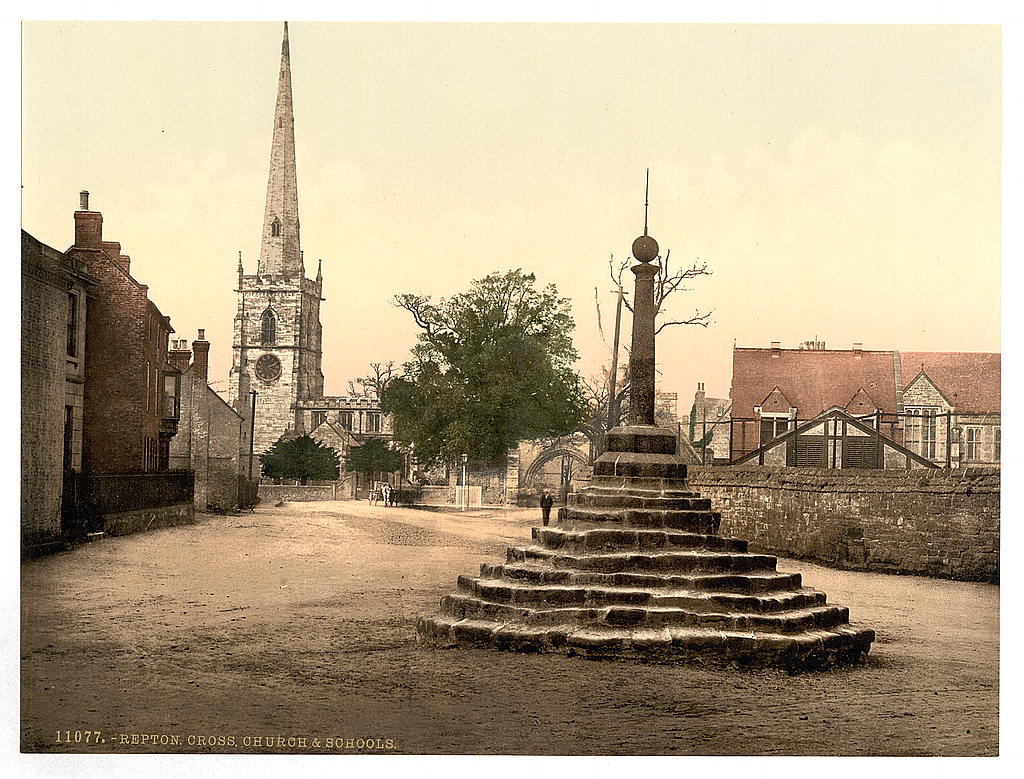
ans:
x=696 y=319
x=382 y=374
x=667 y=282
x=600 y=328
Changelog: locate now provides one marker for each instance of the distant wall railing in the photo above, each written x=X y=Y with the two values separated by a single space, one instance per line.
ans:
x=114 y=493
x=949 y=439
x=88 y=498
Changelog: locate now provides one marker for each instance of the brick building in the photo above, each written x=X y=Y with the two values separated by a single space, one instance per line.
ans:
x=210 y=434
x=129 y=387
x=54 y=299
x=941 y=406
x=277 y=351
x=130 y=401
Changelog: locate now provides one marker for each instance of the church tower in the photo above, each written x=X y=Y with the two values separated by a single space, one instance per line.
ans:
x=277 y=332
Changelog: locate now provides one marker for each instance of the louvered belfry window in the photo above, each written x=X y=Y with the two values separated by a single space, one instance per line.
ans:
x=268 y=331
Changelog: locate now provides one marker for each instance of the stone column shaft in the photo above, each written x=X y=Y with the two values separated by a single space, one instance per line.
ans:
x=641 y=355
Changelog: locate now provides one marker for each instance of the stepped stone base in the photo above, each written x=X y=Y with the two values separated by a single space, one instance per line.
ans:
x=636 y=569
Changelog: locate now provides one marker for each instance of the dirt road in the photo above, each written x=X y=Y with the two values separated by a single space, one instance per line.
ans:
x=297 y=624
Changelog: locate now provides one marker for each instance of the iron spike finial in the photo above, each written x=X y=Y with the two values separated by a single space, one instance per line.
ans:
x=645 y=248
x=647 y=189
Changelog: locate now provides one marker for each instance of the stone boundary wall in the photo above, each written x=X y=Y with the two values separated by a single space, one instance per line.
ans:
x=125 y=522
x=936 y=523
x=269 y=494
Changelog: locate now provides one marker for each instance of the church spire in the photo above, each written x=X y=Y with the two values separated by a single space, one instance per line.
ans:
x=280 y=250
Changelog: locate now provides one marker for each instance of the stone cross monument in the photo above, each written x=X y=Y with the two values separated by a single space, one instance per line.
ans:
x=636 y=567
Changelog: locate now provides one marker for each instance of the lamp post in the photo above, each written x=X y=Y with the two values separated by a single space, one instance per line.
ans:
x=613 y=409
x=252 y=432
x=465 y=487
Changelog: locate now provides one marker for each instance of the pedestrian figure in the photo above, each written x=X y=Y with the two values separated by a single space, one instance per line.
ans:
x=546 y=502
x=386 y=490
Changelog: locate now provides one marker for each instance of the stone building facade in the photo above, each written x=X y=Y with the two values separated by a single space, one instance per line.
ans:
x=210 y=435
x=942 y=406
x=53 y=320
x=708 y=427
x=278 y=337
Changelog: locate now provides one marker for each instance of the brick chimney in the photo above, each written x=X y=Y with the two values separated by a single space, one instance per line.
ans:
x=113 y=250
x=199 y=420
x=776 y=347
x=201 y=359
x=179 y=355
x=88 y=225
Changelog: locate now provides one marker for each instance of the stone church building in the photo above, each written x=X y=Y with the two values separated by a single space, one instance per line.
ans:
x=278 y=338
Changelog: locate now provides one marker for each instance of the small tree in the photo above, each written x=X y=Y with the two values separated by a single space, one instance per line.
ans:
x=374 y=456
x=300 y=458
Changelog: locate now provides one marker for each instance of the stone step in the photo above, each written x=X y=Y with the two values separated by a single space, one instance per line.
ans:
x=793 y=621
x=641 y=488
x=613 y=499
x=628 y=538
x=739 y=583
x=706 y=522
x=526 y=593
x=808 y=650
x=661 y=562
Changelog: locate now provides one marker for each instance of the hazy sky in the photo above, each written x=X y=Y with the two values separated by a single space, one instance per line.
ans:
x=840 y=181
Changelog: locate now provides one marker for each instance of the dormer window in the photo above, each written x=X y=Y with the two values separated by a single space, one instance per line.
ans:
x=268 y=328
x=275 y=229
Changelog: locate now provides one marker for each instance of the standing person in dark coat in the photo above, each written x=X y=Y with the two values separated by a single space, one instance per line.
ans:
x=546 y=502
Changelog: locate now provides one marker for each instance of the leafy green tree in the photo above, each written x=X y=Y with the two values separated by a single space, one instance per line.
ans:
x=492 y=366
x=300 y=458
x=373 y=456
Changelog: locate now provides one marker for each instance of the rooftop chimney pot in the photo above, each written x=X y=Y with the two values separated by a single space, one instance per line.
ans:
x=83 y=200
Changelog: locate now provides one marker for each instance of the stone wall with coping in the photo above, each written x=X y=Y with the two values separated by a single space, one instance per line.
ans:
x=125 y=522
x=270 y=494
x=930 y=522
x=491 y=480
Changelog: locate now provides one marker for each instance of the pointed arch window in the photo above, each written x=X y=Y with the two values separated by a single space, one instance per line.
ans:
x=275 y=228
x=268 y=327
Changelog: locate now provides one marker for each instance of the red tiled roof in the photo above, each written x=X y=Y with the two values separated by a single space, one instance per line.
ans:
x=813 y=380
x=972 y=376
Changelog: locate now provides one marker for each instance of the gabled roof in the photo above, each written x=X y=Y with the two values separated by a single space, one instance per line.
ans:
x=213 y=394
x=812 y=380
x=861 y=403
x=330 y=432
x=969 y=380
x=775 y=402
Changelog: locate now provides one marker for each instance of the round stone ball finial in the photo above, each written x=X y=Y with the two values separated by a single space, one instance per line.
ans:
x=645 y=248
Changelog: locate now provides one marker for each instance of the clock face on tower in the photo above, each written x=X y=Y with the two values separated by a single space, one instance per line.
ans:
x=268 y=367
